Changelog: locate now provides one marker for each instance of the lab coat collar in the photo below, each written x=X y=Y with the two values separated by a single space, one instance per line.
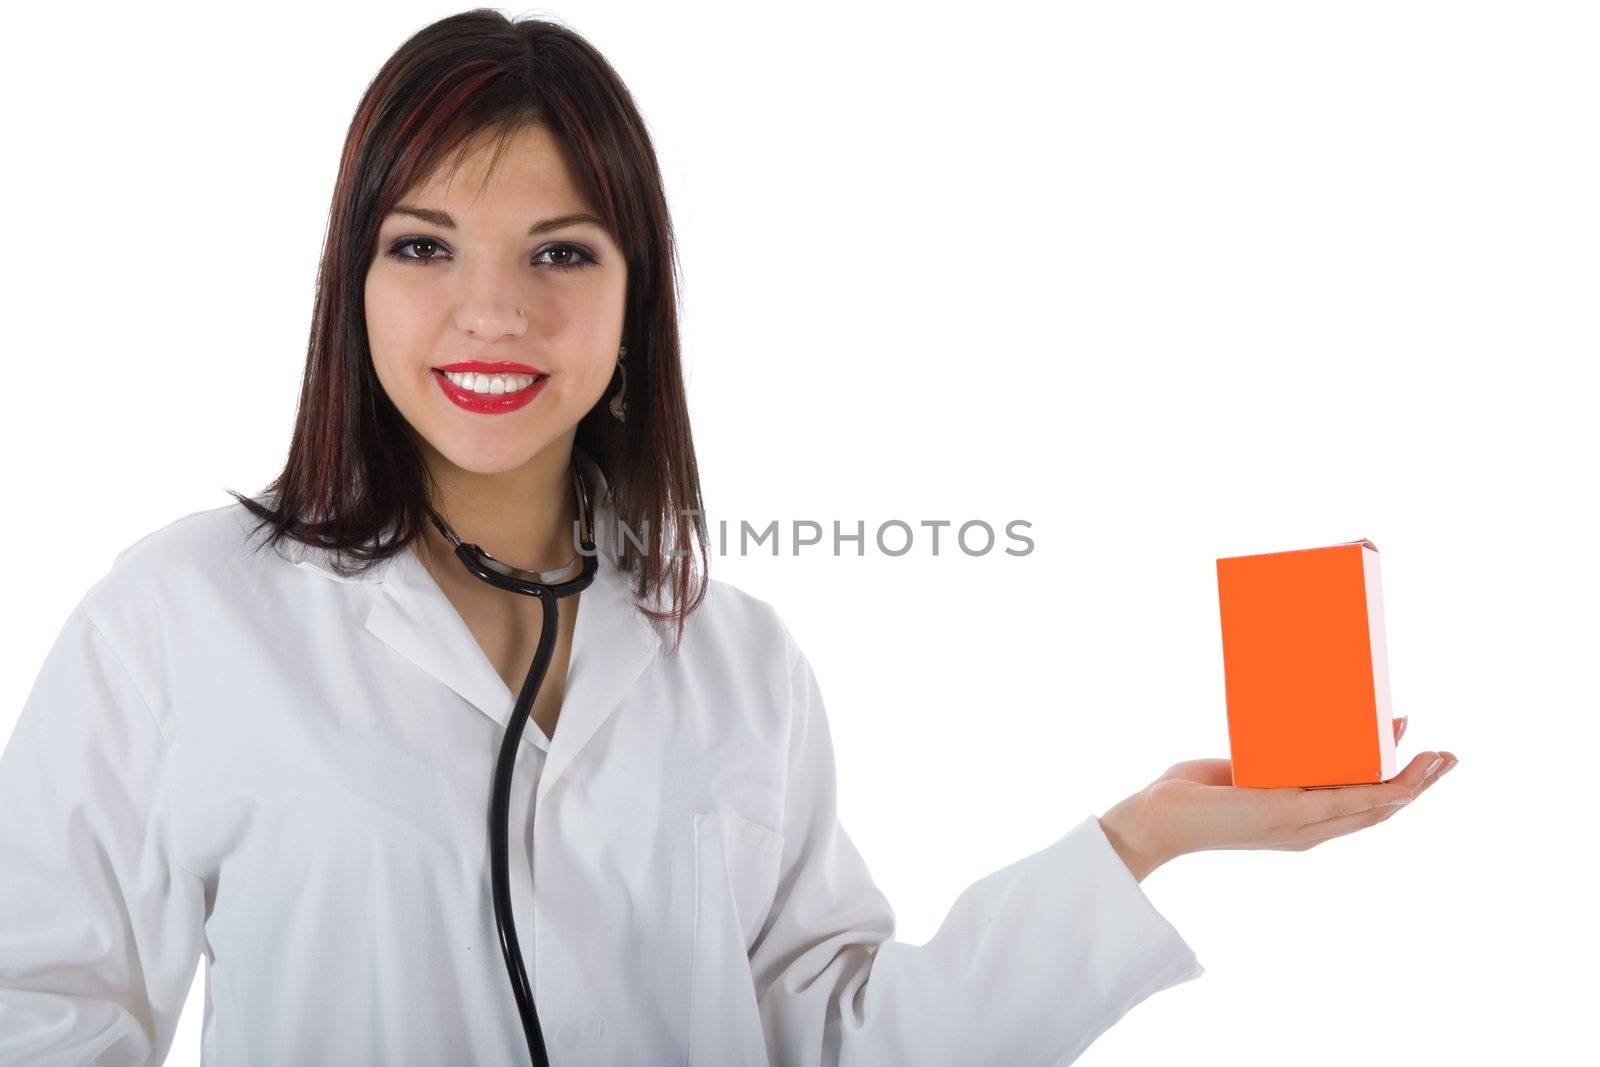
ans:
x=612 y=644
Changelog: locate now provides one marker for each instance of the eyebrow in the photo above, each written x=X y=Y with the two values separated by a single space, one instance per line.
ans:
x=443 y=219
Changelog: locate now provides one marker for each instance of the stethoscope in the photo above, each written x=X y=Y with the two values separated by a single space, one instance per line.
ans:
x=549 y=587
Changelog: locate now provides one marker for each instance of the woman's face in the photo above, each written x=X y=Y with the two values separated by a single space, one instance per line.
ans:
x=446 y=289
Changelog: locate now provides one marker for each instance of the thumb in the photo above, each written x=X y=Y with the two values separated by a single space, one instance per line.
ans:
x=1400 y=727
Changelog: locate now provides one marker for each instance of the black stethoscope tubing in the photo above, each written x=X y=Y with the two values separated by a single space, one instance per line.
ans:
x=540 y=584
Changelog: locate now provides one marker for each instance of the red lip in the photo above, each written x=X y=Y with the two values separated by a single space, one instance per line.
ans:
x=477 y=366
x=489 y=403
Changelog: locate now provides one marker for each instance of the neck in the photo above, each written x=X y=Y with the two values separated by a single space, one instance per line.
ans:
x=522 y=517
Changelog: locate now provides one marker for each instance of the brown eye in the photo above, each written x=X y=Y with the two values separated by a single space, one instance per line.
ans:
x=415 y=242
x=571 y=257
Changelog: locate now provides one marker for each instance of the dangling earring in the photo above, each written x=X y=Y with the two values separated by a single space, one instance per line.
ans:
x=619 y=402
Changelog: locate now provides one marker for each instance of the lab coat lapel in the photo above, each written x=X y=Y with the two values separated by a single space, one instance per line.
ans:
x=412 y=615
x=612 y=643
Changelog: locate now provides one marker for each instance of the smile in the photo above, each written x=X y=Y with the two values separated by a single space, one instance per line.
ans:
x=490 y=394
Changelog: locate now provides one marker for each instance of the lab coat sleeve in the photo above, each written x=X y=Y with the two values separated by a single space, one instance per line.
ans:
x=1031 y=964
x=100 y=929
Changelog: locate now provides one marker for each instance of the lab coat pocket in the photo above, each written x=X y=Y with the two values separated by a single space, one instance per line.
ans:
x=736 y=866
x=736 y=877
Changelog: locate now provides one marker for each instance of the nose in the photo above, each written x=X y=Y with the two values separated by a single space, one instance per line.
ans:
x=491 y=305
x=492 y=319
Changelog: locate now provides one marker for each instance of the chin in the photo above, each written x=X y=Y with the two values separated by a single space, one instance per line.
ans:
x=491 y=453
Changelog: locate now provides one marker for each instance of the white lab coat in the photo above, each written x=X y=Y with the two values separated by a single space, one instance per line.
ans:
x=239 y=754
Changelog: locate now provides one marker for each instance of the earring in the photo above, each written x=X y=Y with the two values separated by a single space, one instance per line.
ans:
x=619 y=402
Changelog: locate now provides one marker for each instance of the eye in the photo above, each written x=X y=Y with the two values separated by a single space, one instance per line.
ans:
x=568 y=251
x=408 y=242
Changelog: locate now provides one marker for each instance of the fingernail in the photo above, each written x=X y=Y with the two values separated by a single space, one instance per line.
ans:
x=1432 y=767
x=1447 y=766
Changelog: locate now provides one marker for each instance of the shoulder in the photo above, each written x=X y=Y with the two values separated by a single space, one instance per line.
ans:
x=739 y=623
x=188 y=562
x=202 y=541
x=204 y=537
x=168 y=596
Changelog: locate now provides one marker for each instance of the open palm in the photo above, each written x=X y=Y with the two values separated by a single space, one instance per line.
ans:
x=1197 y=807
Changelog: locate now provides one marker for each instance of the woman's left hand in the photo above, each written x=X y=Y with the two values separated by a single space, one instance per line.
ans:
x=1194 y=807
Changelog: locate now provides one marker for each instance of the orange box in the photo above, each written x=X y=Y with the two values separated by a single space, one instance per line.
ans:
x=1306 y=672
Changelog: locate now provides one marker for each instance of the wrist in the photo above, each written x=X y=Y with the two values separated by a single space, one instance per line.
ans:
x=1129 y=828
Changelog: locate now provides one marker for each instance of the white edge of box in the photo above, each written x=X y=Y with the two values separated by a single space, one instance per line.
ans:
x=1380 y=662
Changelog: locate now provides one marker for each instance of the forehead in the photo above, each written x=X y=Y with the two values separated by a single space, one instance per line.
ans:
x=530 y=173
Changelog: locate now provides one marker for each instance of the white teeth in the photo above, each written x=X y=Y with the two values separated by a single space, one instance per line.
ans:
x=490 y=384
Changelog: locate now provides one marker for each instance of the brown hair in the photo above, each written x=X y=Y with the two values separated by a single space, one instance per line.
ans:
x=353 y=471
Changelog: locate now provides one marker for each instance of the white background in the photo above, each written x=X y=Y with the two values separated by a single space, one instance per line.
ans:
x=1168 y=281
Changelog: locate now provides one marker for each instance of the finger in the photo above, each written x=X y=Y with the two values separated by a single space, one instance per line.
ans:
x=1384 y=810
x=1316 y=833
x=1317 y=805
x=1400 y=728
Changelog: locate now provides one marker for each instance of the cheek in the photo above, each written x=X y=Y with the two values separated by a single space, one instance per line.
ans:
x=395 y=313
x=602 y=375
x=582 y=385
x=591 y=325
x=397 y=339
x=608 y=315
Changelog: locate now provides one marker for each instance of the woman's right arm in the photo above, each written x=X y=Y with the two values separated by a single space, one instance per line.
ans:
x=100 y=928
x=1030 y=965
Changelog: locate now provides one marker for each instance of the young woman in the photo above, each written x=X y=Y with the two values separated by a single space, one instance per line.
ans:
x=277 y=752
